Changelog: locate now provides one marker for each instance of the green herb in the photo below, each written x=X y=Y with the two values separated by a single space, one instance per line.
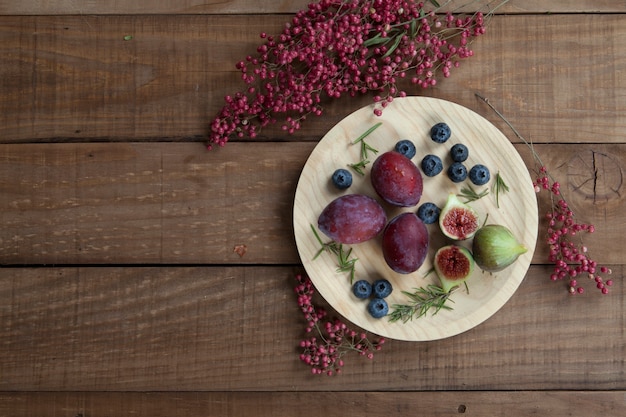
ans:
x=128 y=37
x=345 y=263
x=499 y=186
x=376 y=40
x=365 y=148
x=395 y=44
x=472 y=195
x=359 y=167
x=420 y=302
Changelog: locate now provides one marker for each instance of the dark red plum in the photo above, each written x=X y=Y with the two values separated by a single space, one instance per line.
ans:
x=352 y=218
x=405 y=243
x=396 y=179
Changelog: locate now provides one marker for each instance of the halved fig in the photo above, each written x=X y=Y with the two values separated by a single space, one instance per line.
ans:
x=453 y=264
x=457 y=220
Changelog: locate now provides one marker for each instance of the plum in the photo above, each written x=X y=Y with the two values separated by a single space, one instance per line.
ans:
x=405 y=243
x=396 y=179
x=352 y=218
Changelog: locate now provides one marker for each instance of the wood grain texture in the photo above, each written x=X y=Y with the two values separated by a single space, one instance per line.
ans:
x=143 y=203
x=304 y=404
x=73 y=78
x=238 y=328
x=148 y=277
x=133 y=203
x=32 y=7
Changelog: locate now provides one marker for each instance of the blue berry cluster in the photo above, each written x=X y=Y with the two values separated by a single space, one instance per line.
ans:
x=379 y=290
x=457 y=171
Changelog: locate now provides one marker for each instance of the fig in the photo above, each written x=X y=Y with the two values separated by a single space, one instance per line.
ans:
x=495 y=248
x=396 y=179
x=352 y=218
x=457 y=220
x=453 y=264
x=405 y=243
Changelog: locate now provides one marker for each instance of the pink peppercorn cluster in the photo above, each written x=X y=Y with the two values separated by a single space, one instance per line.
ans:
x=343 y=47
x=324 y=353
x=571 y=260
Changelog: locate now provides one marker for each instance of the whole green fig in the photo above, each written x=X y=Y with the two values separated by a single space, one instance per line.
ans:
x=494 y=248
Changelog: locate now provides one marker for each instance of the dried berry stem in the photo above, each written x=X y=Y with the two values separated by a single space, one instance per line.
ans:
x=571 y=260
x=335 y=48
x=333 y=339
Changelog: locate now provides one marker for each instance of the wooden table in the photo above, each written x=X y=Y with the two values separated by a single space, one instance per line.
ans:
x=121 y=292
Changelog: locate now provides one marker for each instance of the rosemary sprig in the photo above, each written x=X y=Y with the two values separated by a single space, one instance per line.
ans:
x=344 y=262
x=499 y=186
x=420 y=302
x=359 y=167
x=366 y=148
x=470 y=194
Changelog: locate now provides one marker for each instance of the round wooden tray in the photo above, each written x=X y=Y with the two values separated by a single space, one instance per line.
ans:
x=411 y=118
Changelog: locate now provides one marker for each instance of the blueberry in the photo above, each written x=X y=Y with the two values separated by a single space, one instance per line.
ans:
x=342 y=178
x=378 y=308
x=440 y=132
x=457 y=172
x=428 y=213
x=432 y=165
x=459 y=152
x=406 y=148
x=362 y=289
x=381 y=288
x=479 y=174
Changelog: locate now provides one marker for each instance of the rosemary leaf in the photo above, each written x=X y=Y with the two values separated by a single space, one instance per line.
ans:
x=367 y=133
x=472 y=195
x=365 y=147
x=359 y=167
x=423 y=300
x=344 y=262
x=499 y=186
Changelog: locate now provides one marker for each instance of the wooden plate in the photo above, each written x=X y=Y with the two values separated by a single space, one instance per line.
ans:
x=411 y=118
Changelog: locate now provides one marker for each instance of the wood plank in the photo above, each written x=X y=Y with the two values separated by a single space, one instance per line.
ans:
x=148 y=203
x=129 y=203
x=75 y=78
x=211 y=329
x=304 y=404
x=32 y=7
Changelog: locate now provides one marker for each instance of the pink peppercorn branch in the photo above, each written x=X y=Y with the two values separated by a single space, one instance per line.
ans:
x=333 y=339
x=570 y=257
x=343 y=47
